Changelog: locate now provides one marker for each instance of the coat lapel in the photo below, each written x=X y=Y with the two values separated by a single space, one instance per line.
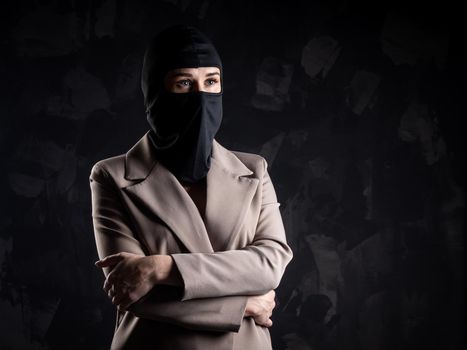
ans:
x=229 y=193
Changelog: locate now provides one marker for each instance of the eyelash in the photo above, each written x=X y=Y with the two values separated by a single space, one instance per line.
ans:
x=180 y=82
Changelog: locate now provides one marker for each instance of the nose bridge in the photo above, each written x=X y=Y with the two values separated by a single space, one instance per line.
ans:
x=199 y=84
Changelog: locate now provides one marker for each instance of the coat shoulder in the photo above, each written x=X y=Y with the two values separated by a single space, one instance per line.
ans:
x=113 y=167
x=253 y=161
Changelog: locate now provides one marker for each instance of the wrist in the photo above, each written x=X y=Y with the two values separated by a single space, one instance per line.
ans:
x=164 y=270
x=155 y=275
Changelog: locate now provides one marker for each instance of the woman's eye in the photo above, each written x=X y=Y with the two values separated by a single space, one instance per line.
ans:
x=184 y=83
x=211 y=81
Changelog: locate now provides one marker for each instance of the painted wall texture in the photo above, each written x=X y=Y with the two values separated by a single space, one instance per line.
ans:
x=357 y=108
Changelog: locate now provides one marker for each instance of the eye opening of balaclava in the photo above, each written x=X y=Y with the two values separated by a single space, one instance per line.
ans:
x=183 y=125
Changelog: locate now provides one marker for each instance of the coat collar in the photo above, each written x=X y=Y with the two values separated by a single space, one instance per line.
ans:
x=229 y=192
x=140 y=160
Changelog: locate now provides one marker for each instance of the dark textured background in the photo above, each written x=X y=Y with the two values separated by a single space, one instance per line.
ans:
x=358 y=109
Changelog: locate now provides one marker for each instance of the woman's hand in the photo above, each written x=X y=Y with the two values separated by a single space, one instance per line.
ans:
x=260 y=308
x=132 y=276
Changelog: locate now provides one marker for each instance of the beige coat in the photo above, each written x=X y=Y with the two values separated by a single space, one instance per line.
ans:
x=138 y=206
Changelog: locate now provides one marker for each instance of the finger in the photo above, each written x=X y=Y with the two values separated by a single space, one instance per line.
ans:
x=123 y=300
x=112 y=292
x=118 y=297
x=113 y=277
x=107 y=285
x=109 y=260
x=126 y=302
x=121 y=295
x=111 y=281
x=263 y=321
x=266 y=321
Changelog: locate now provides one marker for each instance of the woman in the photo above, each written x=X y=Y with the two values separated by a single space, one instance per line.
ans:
x=189 y=234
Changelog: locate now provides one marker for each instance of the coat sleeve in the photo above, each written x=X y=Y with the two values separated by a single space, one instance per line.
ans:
x=113 y=234
x=255 y=269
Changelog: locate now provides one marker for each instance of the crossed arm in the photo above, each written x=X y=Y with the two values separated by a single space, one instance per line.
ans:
x=212 y=299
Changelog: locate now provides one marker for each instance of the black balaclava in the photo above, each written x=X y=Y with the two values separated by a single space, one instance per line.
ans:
x=183 y=125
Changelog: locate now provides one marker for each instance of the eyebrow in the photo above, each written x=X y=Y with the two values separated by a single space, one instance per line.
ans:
x=190 y=75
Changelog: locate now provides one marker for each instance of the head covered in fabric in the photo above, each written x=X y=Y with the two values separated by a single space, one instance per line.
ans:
x=183 y=124
x=179 y=46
